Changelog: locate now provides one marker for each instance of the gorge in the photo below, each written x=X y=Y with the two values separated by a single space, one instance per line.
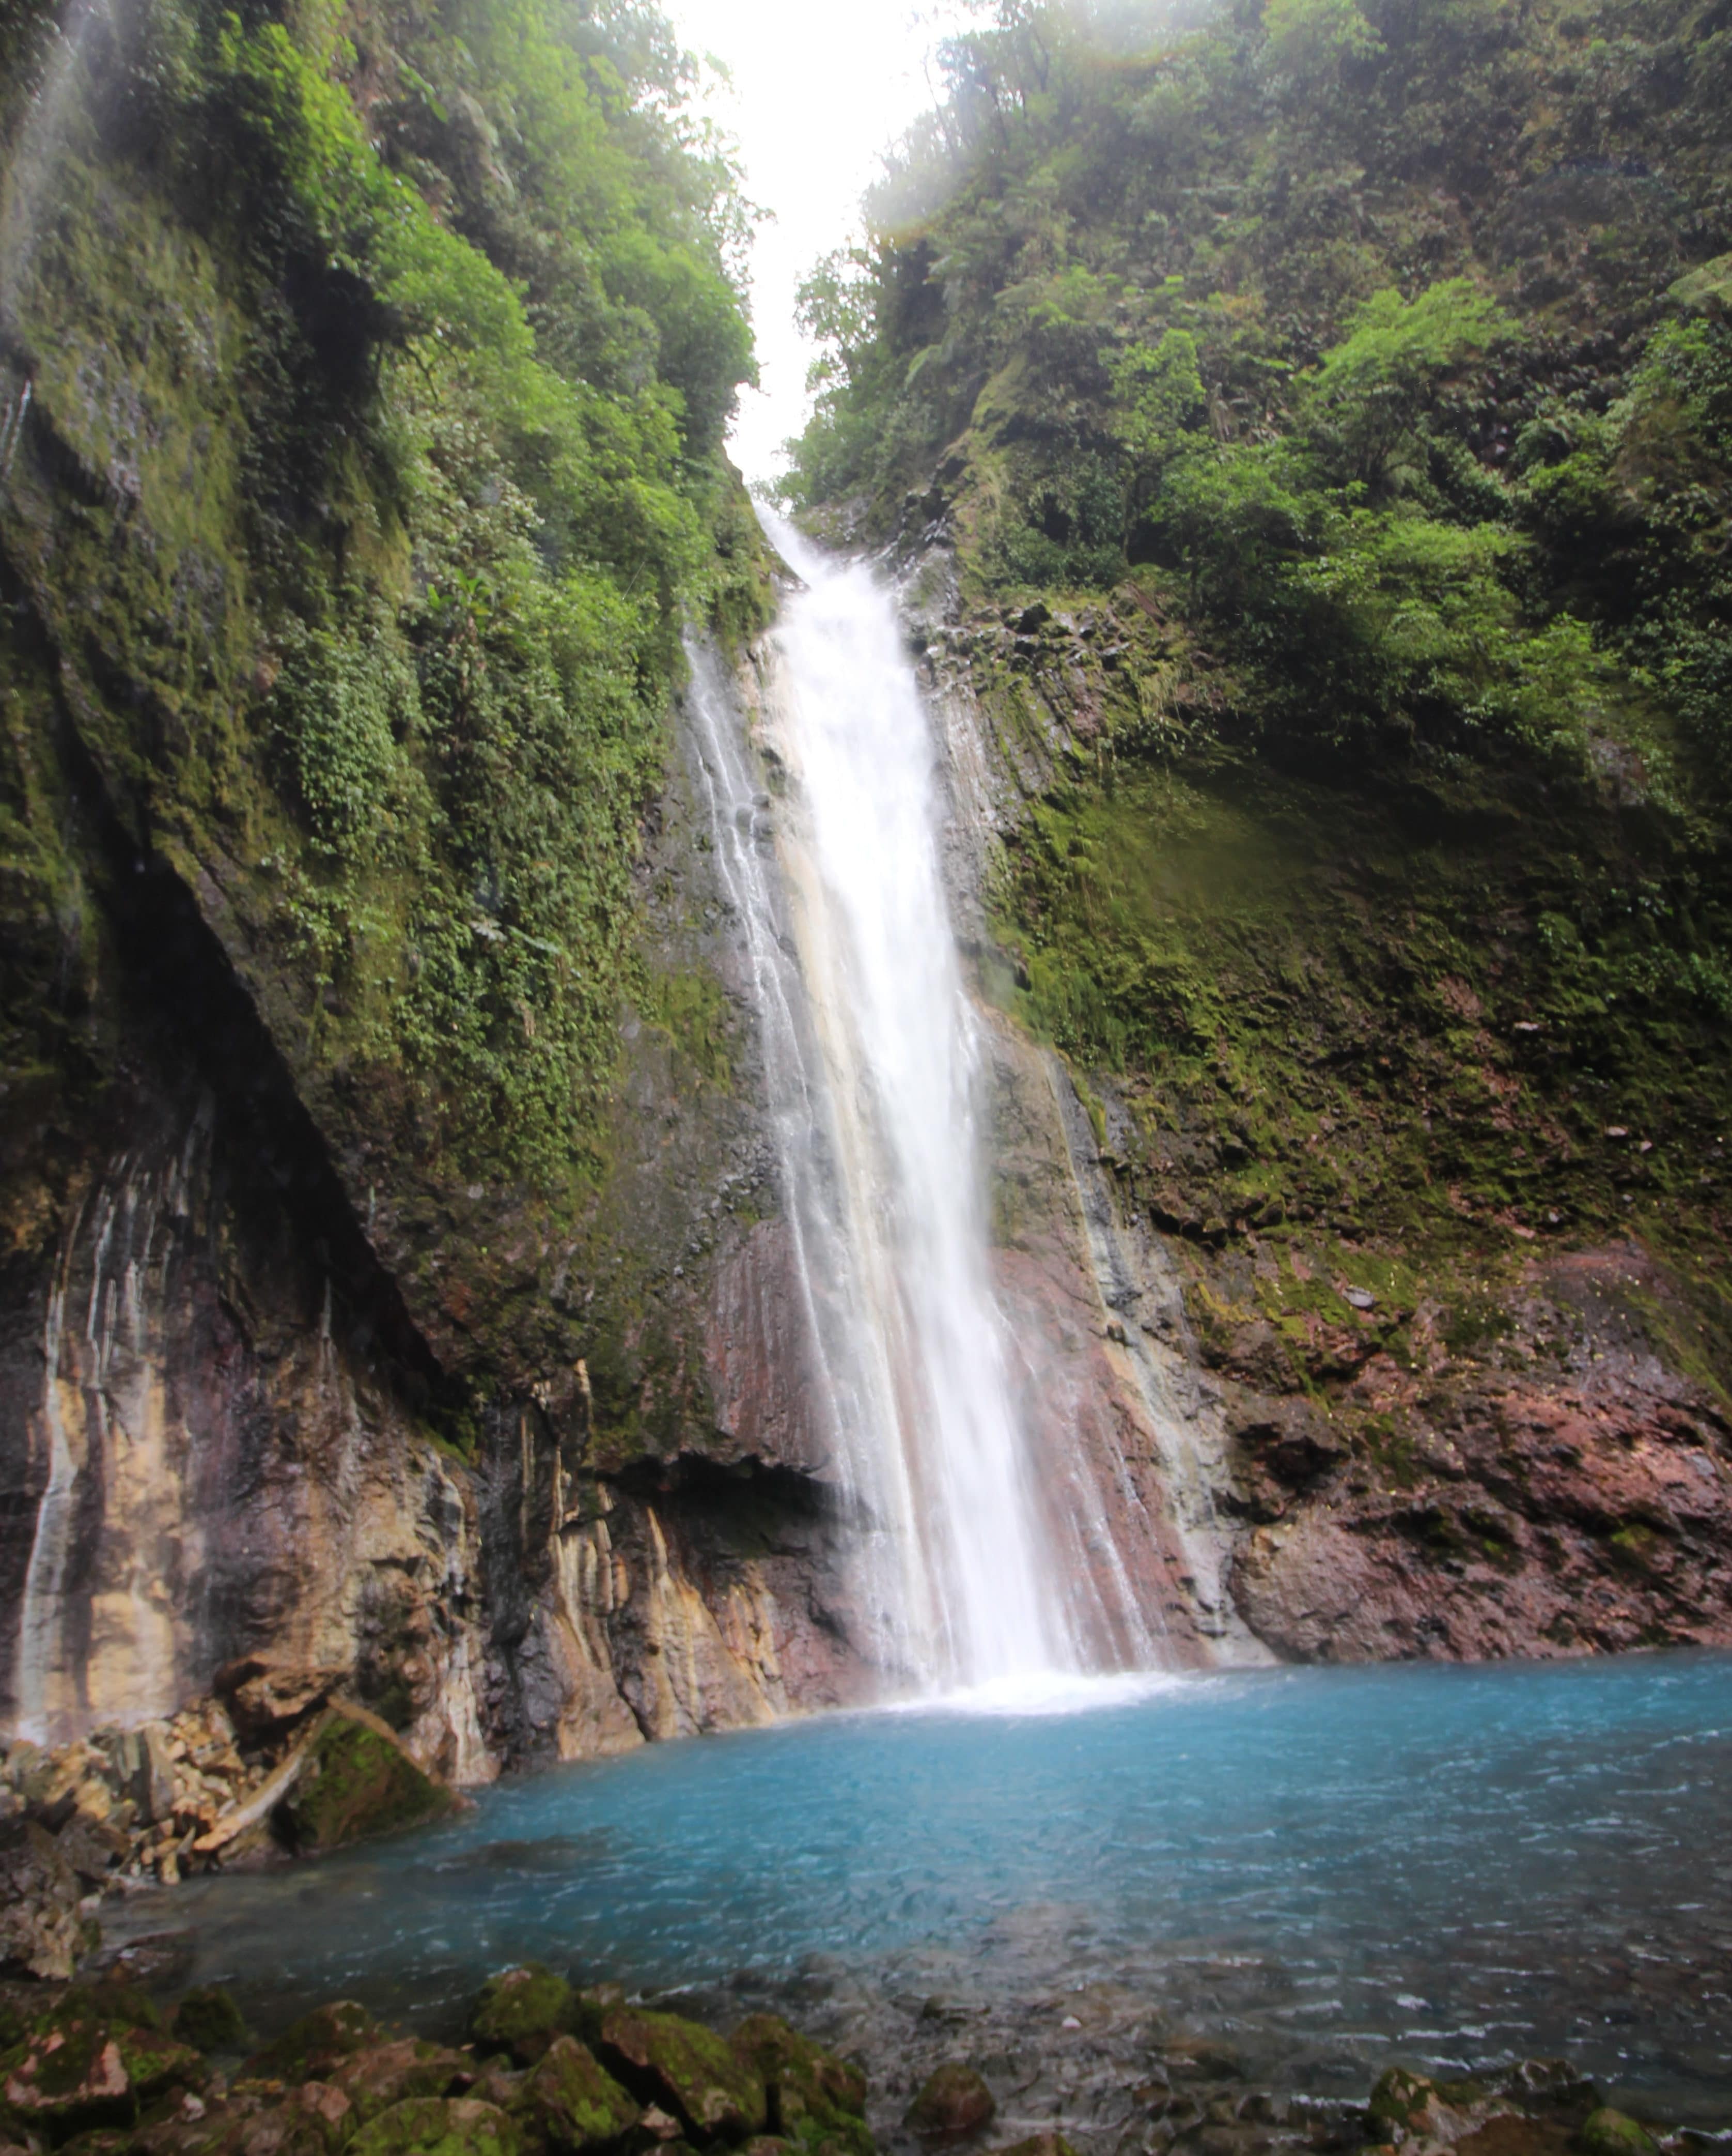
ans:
x=982 y=1105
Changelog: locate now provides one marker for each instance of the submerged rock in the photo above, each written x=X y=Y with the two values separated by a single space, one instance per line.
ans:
x=953 y=2102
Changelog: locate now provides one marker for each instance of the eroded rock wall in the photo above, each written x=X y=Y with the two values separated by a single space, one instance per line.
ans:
x=1330 y=1438
x=221 y=1426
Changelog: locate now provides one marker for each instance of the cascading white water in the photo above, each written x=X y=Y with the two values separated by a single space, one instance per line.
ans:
x=893 y=1224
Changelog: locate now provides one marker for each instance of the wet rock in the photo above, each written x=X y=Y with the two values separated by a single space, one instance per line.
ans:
x=42 y=1932
x=437 y=2126
x=357 y=1780
x=381 y=2075
x=1400 y=2098
x=209 y=2020
x=571 y=2102
x=953 y=2102
x=521 y=2011
x=75 y=2072
x=1609 y=2132
x=813 y=2095
x=687 y=2070
x=313 y=2047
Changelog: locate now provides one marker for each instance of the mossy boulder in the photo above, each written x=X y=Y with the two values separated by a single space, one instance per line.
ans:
x=688 y=2071
x=1040 y=2144
x=1609 y=2132
x=438 y=2125
x=309 y=2049
x=209 y=2020
x=357 y=1781
x=521 y=2011
x=1400 y=2097
x=953 y=2102
x=813 y=2095
x=381 y=2075
x=571 y=2102
x=76 y=2073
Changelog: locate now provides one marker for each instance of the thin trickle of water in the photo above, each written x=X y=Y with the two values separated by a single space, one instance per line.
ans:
x=30 y=170
x=37 y=1655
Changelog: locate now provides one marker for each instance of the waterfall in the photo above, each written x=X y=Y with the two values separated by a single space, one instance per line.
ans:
x=873 y=1062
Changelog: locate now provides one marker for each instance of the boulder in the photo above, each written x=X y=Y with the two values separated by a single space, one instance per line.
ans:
x=265 y=1700
x=1400 y=2098
x=953 y=2102
x=75 y=2072
x=378 y=2075
x=354 y=1780
x=521 y=2011
x=1039 y=2144
x=209 y=2020
x=1609 y=2132
x=813 y=2095
x=309 y=2050
x=438 y=2125
x=571 y=2102
x=42 y=1932
x=687 y=2070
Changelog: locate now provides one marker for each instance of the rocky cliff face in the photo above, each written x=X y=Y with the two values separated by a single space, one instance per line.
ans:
x=391 y=1294
x=218 y=1403
x=1329 y=1438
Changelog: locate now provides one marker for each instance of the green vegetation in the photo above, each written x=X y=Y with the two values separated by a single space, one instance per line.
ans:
x=395 y=349
x=1330 y=410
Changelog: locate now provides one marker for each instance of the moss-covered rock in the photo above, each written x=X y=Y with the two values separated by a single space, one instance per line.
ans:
x=813 y=2096
x=432 y=2126
x=312 y=2048
x=570 y=2102
x=687 y=2070
x=1609 y=2132
x=521 y=2011
x=357 y=1781
x=74 y=2073
x=378 y=2075
x=1400 y=2096
x=209 y=2020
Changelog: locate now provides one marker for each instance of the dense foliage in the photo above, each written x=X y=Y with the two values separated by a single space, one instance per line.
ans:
x=1327 y=407
x=473 y=276
x=1355 y=322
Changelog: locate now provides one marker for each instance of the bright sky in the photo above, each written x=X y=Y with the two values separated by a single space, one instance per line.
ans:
x=818 y=91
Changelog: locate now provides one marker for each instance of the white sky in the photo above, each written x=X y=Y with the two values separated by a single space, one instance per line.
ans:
x=818 y=91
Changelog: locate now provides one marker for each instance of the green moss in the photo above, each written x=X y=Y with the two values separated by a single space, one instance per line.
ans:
x=209 y=2020
x=357 y=1782
x=520 y=2003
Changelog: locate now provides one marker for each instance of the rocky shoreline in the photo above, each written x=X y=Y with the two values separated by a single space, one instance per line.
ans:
x=262 y=1770
x=102 y=2068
